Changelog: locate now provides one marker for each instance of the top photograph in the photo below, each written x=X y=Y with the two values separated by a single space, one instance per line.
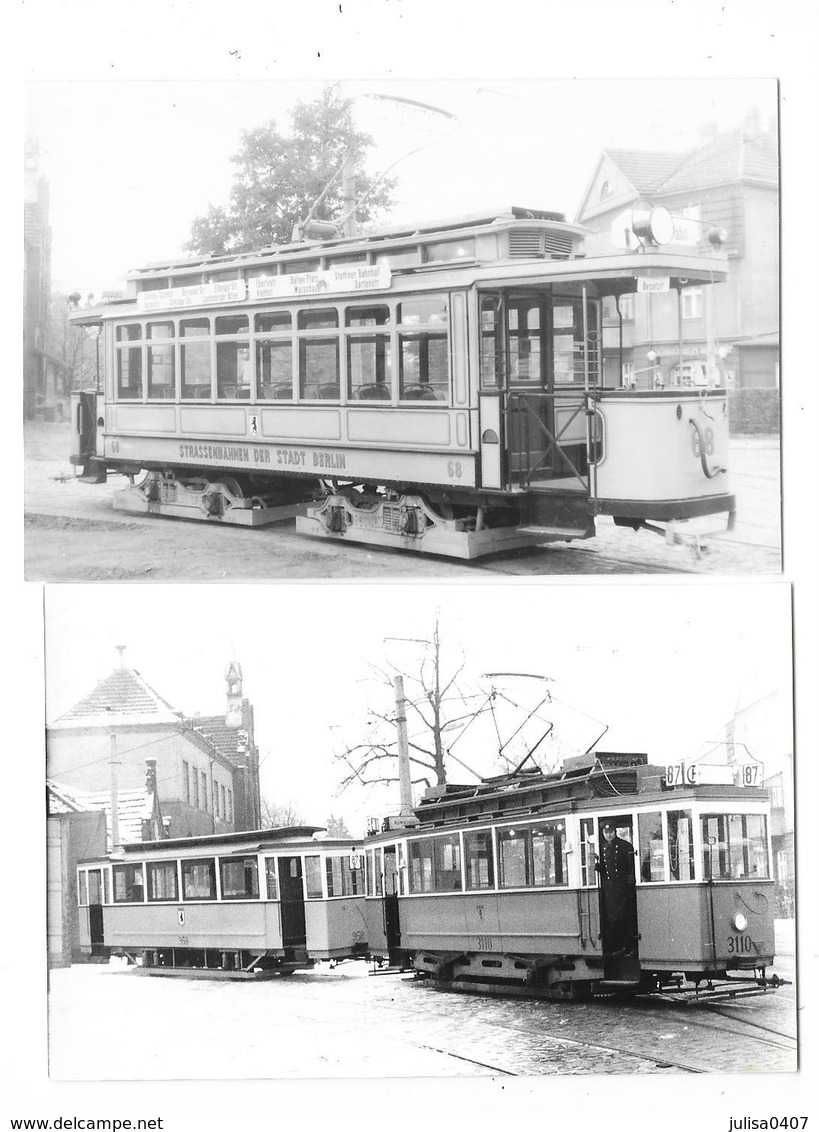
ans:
x=363 y=330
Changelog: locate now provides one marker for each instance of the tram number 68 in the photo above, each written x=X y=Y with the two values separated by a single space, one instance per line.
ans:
x=707 y=442
x=740 y=945
x=454 y=469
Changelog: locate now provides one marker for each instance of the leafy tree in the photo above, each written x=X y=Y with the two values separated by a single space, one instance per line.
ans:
x=71 y=345
x=280 y=176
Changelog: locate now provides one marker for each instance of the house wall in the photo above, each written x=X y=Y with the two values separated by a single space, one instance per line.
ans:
x=69 y=838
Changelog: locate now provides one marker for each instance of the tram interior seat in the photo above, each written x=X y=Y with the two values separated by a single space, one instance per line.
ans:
x=196 y=392
x=280 y=392
x=374 y=393
x=419 y=393
x=329 y=392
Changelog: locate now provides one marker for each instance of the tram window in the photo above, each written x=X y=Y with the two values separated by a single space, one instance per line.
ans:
x=400 y=257
x=368 y=316
x=424 y=367
x=342 y=880
x=272 y=322
x=734 y=846
x=532 y=856
x=379 y=871
x=480 y=868
x=318 y=320
x=232 y=370
x=568 y=342
x=162 y=880
x=194 y=327
x=132 y=332
x=240 y=878
x=274 y=370
x=312 y=877
x=199 y=879
x=588 y=873
x=415 y=311
x=271 y=878
x=420 y=863
x=96 y=891
x=447 y=250
x=447 y=863
x=82 y=889
x=369 y=368
x=161 y=379
x=318 y=366
x=652 y=849
x=368 y=864
x=525 y=357
x=129 y=885
x=195 y=364
x=232 y=324
x=490 y=330
x=129 y=373
x=300 y=267
x=160 y=330
x=680 y=845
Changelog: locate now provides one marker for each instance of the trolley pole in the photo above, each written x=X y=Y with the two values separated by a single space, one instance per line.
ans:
x=348 y=195
x=404 y=778
x=114 y=799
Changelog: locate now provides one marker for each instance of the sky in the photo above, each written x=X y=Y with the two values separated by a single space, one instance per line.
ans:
x=130 y=164
x=663 y=669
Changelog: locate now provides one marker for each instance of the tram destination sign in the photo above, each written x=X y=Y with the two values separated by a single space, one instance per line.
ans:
x=198 y=295
x=335 y=280
x=706 y=774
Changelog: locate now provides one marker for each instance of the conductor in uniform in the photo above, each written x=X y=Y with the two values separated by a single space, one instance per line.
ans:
x=616 y=868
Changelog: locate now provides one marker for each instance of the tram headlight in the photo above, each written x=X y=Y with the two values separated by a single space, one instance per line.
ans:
x=740 y=921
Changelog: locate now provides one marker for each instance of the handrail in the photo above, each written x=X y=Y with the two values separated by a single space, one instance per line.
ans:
x=523 y=397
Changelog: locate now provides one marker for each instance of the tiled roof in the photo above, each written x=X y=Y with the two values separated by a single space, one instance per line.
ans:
x=740 y=155
x=644 y=168
x=133 y=806
x=123 y=694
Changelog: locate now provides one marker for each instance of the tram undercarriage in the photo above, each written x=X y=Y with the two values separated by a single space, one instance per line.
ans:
x=217 y=963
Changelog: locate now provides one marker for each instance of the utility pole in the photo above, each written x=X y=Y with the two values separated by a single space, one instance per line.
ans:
x=114 y=800
x=404 y=777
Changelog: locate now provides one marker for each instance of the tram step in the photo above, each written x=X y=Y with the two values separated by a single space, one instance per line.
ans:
x=554 y=532
x=555 y=512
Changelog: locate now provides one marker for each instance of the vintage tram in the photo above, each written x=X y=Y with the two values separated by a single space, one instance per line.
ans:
x=248 y=905
x=496 y=886
x=451 y=388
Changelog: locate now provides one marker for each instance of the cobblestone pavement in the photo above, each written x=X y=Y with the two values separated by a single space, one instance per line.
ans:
x=73 y=534
x=343 y=1022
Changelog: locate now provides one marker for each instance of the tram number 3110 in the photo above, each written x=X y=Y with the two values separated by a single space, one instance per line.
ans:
x=485 y=943
x=739 y=944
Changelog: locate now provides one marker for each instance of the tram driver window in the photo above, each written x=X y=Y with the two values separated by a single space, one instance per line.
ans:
x=680 y=845
x=129 y=884
x=312 y=878
x=734 y=846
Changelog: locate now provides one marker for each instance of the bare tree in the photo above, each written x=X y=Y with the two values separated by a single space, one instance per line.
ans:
x=276 y=815
x=437 y=710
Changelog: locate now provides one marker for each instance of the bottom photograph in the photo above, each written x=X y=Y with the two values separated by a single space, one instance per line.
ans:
x=406 y=831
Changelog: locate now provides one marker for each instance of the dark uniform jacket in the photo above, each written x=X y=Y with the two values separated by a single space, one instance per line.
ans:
x=616 y=863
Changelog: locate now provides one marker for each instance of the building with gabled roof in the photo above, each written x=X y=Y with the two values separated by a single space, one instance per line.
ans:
x=207 y=767
x=727 y=335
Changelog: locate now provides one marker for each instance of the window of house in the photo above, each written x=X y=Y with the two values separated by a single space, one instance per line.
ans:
x=204 y=790
x=199 y=879
x=186 y=782
x=82 y=889
x=195 y=780
x=312 y=878
x=230 y=804
x=691 y=302
x=680 y=845
x=162 y=880
x=781 y=866
x=568 y=351
x=224 y=802
x=240 y=878
x=129 y=884
x=628 y=377
x=652 y=847
x=480 y=867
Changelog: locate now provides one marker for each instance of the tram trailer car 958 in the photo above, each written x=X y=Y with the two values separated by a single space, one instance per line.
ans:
x=457 y=388
x=250 y=905
x=514 y=886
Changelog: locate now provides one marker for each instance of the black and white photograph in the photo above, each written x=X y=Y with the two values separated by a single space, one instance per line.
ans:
x=410 y=609
x=435 y=328
x=472 y=843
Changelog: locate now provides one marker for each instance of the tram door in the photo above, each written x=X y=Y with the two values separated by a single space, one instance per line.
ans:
x=291 y=896
x=392 y=925
x=618 y=897
x=95 y=912
x=516 y=375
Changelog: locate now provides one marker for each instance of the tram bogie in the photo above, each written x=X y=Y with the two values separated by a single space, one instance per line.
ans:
x=457 y=406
